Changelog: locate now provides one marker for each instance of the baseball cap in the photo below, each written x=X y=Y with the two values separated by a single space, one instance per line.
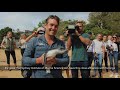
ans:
x=41 y=30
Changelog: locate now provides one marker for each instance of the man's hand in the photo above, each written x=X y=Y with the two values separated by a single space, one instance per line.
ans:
x=2 y=46
x=40 y=60
x=77 y=33
x=49 y=60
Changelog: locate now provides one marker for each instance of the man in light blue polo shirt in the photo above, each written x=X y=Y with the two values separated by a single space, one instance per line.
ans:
x=40 y=45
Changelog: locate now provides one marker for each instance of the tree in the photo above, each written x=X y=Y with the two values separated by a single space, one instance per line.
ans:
x=3 y=32
x=104 y=22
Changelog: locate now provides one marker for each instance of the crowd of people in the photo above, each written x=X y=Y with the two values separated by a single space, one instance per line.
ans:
x=81 y=53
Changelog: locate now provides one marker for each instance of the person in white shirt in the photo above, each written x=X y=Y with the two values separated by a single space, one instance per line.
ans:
x=114 y=57
x=98 y=49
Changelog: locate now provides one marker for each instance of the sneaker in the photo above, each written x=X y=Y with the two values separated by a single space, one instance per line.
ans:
x=111 y=75
x=93 y=75
x=116 y=75
x=100 y=75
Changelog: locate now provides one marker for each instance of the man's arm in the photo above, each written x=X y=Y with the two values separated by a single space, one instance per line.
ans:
x=2 y=44
x=14 y=43
x=64 y=61
x=84 y=39
x=69 y=43
x=103 y=50
x=29 y=37
x=27 y=59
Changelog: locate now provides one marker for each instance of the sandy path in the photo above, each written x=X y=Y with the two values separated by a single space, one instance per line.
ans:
x=17 y=74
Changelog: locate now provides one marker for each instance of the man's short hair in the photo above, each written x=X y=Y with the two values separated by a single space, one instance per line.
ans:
x=80 y=22
x=53 y=17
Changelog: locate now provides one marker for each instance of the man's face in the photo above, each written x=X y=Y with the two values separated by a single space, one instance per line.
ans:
x=80 y=25
x=99 y=37
x=9 y=35
x=62 y=38
x=51 y=27
x=104 y=38
x=110 y=38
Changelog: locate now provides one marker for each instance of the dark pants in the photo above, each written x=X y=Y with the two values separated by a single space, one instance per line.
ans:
x=98 y=63
x=22 y=51
x=119 y=56
x=90 y=59
x=8 y=56
x=83 y=65
x=106 y=61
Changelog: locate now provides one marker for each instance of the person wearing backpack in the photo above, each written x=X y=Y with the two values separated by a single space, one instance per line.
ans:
x=9 y=45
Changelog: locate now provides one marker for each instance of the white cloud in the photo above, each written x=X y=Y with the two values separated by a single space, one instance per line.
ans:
x=29 y=20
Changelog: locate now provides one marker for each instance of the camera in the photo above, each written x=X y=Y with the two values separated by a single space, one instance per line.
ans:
x=72 y=28
x=110 y=51
x=108 y=47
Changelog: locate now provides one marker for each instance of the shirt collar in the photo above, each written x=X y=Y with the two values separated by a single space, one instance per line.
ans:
x=44 y=39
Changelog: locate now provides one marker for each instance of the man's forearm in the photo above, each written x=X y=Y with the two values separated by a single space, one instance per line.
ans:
x=84 y=40
x=69 y=43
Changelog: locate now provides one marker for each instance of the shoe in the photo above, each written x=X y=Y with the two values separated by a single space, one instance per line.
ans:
x=100 y=75
x=111 y=75
x=94 y=75
x=116 y=75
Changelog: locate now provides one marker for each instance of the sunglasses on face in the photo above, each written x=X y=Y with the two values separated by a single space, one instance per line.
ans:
x=114 y=37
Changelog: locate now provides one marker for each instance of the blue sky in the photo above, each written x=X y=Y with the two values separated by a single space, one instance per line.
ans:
x=29 y=20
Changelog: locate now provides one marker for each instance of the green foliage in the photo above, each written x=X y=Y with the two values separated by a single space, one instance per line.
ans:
x=99 y=22
x=3 y=32
x=104 y=22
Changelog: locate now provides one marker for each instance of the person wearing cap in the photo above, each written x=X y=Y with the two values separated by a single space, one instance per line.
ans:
x=23 y=41
x=40 y=31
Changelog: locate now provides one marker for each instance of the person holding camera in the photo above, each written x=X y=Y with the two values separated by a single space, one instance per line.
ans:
x=98 y=50
x=40 y=46
x=78 y=40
